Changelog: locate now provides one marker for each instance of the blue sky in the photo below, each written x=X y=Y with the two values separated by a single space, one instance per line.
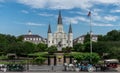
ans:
x=19 y=16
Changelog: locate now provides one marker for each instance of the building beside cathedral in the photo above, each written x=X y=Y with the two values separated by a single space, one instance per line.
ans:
x=33 y=38
x=60 y=38
x=81 y=39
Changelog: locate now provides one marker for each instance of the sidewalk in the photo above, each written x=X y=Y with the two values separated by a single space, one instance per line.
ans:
x=59 y=72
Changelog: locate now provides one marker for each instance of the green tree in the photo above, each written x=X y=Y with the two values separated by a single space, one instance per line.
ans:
x=87 y=38
x=78 y=47
x=114 y=53
x=20 y=48
x=10 y=39
x=39 y=60
x=87 y=47
x=67 y=49
x=41 y=47
x=20 y=38
x=112 y=36
x=95 y=57
x=52 y=49
x=100 y=48
x=101 y=38
x=28 y=47
x=86 y=57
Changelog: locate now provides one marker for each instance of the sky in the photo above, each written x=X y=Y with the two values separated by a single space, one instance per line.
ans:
x=17 y=17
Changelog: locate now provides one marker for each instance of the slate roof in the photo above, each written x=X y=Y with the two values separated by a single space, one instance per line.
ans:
x=33 y=36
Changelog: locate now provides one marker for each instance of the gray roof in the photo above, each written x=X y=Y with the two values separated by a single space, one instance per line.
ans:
x=32 y=36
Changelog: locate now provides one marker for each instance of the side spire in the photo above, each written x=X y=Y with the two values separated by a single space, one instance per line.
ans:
x=59 y=18
x=70 y=29
x=49 y=29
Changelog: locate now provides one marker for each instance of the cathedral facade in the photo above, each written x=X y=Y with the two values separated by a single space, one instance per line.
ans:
x=60 y=39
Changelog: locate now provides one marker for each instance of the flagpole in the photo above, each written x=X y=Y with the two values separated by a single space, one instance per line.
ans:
x=90 y=35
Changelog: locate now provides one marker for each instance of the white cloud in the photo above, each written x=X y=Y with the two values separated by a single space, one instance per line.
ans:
x=78 y=12
x=25 y=11
x=96 y=14
x=100 y=18
x=69 y=20
x=97 y=10
x=45 y=14
x=107 y=1
x=111 y=18
x=75 y=20
x=66 y=4
x=115 y=11
x=96 y=17
x=34 y=24
x=82 y=4
x=105 y=24
x=102 y=24
x=57 y=4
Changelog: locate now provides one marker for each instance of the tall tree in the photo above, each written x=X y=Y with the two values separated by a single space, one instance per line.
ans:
x=87 y=38
x=52 y=49
x=78 y=47
x=67 y=49
x=41 y=47
x=113 y=35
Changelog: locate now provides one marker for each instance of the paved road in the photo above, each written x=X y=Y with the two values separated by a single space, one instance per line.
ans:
x=60 y=72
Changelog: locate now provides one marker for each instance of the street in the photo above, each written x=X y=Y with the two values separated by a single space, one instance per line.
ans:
x=60 y=72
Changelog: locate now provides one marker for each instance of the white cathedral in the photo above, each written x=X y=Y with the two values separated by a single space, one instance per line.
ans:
x=60 y=39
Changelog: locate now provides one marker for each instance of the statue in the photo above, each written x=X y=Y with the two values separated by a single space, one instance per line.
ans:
x=59 y=46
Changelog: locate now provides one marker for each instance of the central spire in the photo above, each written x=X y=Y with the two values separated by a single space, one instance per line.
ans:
x=49 y=29
x=59 y=18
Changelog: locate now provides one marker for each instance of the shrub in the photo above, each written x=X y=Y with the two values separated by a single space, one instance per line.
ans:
x=39 y=60
x=52 y=49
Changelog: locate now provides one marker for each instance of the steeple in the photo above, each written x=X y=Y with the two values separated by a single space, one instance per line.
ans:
x=49 y=29
x=70 y=29
x=59 y=18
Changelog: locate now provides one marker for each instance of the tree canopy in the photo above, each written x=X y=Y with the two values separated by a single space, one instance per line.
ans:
x=12 y=44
